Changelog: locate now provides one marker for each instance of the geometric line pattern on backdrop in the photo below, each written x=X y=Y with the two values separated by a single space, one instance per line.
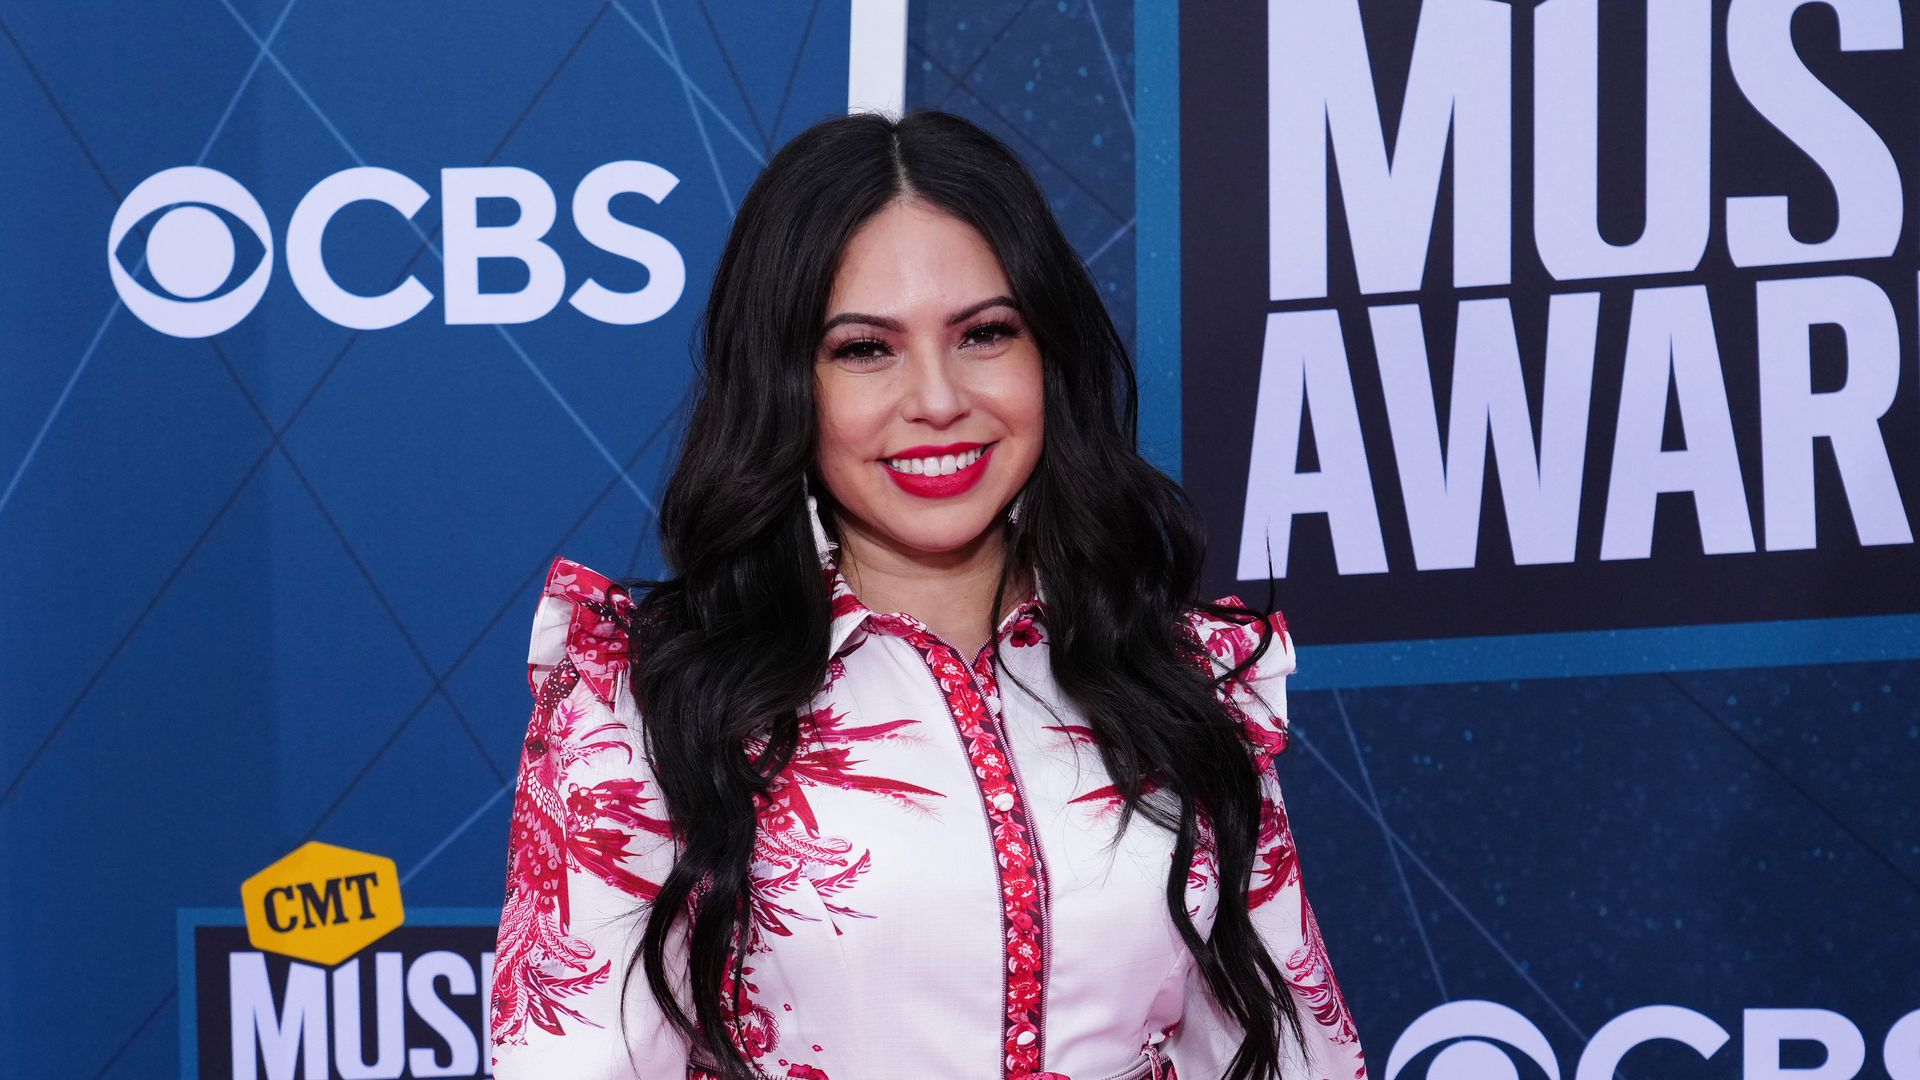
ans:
x=86 y=357
x=276 y=435
x=758 y=152
x=1092 y=194
x=1793 y=785
x=508 y=604
x=786 y=91
x=100 y=333
x=733 y=73
x=981 y=56
x=765 y=133
x=699 y=125
x=1421 y=864
x=459 y=830
x=1113 y=66
x=1393 y=853
x=959 y=82
x=1125 y=228
x=359 y=564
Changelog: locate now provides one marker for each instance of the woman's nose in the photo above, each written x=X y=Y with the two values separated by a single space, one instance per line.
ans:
x=935 y=393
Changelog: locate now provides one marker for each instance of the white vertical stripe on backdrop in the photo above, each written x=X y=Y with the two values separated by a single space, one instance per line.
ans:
x=877 y=57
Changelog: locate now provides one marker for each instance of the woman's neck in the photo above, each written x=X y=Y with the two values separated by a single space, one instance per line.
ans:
x=949 y=591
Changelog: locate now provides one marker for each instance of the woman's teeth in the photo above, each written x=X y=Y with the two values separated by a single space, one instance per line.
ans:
x=936 y=466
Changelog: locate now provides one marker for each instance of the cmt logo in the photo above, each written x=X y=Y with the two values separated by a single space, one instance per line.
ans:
x=1479 y=1038
x=322 y=903
x=191 y=252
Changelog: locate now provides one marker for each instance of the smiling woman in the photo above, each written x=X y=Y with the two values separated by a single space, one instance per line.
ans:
x=779 y=815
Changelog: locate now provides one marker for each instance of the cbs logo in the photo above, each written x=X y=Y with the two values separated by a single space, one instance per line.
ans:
x=197 y=214
x=1470 y=1030
x=1478 y=1041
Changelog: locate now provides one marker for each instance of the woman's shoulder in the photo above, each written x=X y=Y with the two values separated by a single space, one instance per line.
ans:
x=1230 y=631
x=1251 y=687
x=577 y=667
x=581 y=618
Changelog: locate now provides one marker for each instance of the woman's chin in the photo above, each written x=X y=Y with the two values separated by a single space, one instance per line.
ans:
x=946 y=530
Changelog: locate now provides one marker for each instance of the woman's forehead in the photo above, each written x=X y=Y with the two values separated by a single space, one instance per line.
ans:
x=911 y=262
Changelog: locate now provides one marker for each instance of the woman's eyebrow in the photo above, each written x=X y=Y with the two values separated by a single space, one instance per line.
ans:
x=894 y=325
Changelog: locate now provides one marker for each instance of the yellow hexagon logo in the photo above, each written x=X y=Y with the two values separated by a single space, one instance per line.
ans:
x=322 y=903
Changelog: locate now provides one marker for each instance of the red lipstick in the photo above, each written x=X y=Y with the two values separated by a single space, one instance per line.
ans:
x=954 y=483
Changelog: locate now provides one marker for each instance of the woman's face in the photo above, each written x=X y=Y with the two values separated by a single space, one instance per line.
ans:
x=928 y=382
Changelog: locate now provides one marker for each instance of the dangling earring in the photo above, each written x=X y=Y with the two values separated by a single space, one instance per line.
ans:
x=1013 y=508
x=822 y=546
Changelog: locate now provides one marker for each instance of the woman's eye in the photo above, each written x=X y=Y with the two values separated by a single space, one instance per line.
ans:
x=861 y=351
x=988 y=333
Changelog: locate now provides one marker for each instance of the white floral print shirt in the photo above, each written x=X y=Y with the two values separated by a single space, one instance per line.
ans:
x=936 y=890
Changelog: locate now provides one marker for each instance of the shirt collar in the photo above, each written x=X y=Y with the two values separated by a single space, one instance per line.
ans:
x=850 y=615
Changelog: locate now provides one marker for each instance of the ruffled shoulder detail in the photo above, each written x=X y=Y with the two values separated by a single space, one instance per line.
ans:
x=1256 y=696
x=581 y=616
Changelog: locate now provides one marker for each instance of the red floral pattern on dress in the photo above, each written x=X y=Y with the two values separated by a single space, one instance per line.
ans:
x=789 y=846
x=795 y=1071
x=1025 y=631
x=1231 y=643
x=1311 y=972
x=540 y=964
x=595 y=639
x=1107 y=801
x=1276 y=864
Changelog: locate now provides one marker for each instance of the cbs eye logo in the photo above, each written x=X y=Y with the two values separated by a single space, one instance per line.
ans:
x=1470 y=1030
x=190 y=251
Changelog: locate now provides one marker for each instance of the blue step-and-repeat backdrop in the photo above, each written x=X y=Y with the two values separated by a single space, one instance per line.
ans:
x=1556 y=361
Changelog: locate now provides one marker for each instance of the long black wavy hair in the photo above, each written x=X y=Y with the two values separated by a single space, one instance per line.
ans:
x=732 y=645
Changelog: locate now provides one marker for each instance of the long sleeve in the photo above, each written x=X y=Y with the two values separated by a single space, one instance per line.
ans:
x=589 y=846
x=1207 y=1038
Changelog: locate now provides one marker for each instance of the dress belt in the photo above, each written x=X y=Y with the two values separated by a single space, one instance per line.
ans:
x=1158 y=1068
